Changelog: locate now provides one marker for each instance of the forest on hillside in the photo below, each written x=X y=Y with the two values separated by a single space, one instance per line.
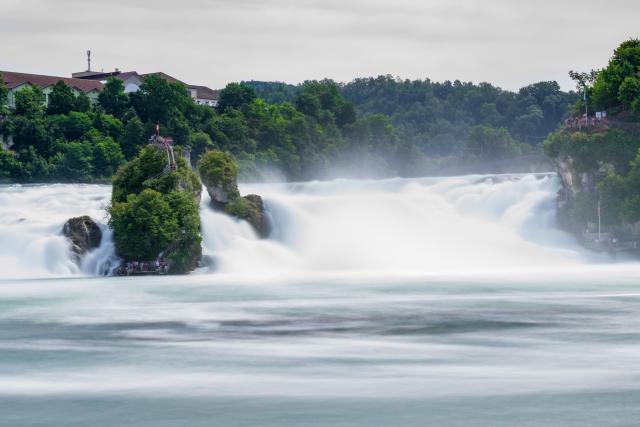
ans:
x=369 y=127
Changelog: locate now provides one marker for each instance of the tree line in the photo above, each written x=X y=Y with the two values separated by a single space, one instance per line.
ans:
x=379 y=126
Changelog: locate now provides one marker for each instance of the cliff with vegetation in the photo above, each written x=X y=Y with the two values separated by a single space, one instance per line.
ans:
x=154 y=211
x=598 y=159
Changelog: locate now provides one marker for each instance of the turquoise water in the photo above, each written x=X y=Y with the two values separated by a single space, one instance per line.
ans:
x=203 y=351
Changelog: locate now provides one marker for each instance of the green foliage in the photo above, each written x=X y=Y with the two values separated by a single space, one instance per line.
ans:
x=235 y=95
x=274 y=92
x=134 y=137
x=218 y=168
x=29 y=102
x=82 y=103
x=486 y=143
x=131 y=178
x=4 y=96
x=380 y=126
x=144 y=225
x=76 y=162
x=159 y=100
x=107 y=156
x=10 y=167
x=62 y=100
x=616 y=87
x=240 y=208
x=594 y=148
x=154 y=213
x=200 y=143
x=112 y=99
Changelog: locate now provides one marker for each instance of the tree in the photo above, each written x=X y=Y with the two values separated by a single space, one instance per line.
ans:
x=62 y=100
x=9 y=166
x=134 y=137
x=143 y=226
x=29 y=102
x=4 y=95
x=82 y=103
x=624 y=64
x=76 y=162
x=159 y=100
x=107 y=156
x=235 y=95
x=200 y=143
x=487 y=143
x=112 y=99
x=629 y=94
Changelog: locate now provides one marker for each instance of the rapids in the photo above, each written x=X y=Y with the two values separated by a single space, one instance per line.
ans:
x=404 y=302
x=413 y=226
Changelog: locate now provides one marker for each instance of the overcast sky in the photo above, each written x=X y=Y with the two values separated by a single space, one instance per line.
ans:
x=510 y=43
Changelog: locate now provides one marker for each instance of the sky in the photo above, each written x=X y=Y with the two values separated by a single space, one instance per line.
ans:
x=510 y=43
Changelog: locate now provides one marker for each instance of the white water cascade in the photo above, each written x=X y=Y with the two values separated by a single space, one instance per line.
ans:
x=413 y=226
x=428 y=225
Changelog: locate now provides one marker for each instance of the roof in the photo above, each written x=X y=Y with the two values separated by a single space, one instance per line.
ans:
x=125 y=75
x=13 y=80
x=203 y=92
x=167 y=77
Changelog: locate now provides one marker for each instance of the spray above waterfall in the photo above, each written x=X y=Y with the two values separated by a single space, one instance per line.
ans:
x=427 y=225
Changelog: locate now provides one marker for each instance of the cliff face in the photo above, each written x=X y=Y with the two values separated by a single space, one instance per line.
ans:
x=583 y=185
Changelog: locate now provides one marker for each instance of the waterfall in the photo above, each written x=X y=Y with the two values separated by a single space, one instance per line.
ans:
x=425 y=225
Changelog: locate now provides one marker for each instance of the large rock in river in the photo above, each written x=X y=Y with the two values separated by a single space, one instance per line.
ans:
x=253 y=212
x=84 y=235
x=219 y=172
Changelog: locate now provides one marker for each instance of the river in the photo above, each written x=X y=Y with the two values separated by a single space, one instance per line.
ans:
x=402 y=302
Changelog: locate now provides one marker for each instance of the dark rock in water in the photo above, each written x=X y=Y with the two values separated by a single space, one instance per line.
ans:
x=84 y=235
x=251 y=209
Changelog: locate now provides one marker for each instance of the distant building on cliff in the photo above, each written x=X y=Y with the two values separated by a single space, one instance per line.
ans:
x=17 y=81
x=132 y=80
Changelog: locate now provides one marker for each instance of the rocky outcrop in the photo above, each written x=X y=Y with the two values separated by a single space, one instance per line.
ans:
x=84 y=235
x=222 y=194
x=218 y=171
x=622 y=237
x=154 y=213
x=257 y=215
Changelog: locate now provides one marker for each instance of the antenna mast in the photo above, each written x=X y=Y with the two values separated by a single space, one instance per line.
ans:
x=88 y=60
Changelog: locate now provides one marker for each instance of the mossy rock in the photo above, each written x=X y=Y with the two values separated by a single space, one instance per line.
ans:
x=251 y=209
x=218 y=171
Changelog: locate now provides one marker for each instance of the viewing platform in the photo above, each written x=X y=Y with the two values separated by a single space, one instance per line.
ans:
x=146 y=268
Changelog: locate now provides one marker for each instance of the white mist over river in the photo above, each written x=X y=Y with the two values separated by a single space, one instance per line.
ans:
x=409 y=302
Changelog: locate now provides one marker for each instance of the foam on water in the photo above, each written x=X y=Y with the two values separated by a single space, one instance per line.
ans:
x=428 y=225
